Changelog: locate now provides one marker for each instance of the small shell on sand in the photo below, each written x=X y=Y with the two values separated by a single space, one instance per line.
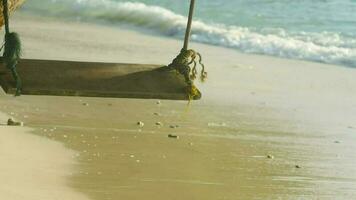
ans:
x=12 y=122
x=141 y=124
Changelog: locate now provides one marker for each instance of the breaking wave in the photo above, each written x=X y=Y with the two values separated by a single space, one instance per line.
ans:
x=325 y=47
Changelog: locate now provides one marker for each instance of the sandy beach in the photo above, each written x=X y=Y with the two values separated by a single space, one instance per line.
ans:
x=34 y=167
x=300 y=113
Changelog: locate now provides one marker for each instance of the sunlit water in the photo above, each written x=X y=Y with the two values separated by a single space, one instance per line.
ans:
x=321 y=30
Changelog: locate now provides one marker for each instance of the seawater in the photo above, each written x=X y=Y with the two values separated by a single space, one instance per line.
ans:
x=315 y=30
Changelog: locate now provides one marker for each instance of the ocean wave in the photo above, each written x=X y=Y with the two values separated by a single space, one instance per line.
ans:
x=326 y=47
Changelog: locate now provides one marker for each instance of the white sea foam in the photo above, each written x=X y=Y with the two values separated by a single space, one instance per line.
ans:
x=323 y=47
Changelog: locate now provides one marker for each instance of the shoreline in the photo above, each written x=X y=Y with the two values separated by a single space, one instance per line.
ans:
x=264 y=38
x=136 y=33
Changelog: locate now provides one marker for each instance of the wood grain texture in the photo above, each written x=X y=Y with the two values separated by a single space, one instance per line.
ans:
x=93 y=79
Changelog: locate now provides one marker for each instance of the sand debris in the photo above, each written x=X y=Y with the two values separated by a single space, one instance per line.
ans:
x=159 y=123
x=173 y=136
x=140 y=124
x=12 y=122
x=269 y=156
x=158 y=103
x=298 y=166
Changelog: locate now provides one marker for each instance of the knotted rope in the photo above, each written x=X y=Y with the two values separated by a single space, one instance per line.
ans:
x=12 y=49
x=187 y=57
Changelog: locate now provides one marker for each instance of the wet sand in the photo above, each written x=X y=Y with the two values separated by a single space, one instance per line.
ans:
x=298 y=112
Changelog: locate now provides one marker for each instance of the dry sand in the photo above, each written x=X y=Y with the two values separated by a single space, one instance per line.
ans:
x=301 y=113
x=33 y=167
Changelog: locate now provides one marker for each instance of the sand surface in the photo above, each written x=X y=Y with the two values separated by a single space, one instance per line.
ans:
x=33 y=167
x=300 y=112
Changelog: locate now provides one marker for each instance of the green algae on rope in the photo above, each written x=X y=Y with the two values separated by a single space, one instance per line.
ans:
x=186 y=57
x=12 y=49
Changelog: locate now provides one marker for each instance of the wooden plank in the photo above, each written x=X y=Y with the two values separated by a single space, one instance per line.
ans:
x=71 y=78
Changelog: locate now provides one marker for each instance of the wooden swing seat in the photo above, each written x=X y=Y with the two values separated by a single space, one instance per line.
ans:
x=94 y=79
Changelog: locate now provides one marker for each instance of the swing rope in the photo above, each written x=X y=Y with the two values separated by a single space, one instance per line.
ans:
x=189 y=25
x=12 y=49
x=187 y=57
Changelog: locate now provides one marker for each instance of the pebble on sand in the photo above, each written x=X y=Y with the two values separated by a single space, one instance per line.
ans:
x=298 y=166
x=159 y=123
x=12 y=122
x=270 y=156
x=141 y=124
x=85 y=104
x=158 y=103
x=173 y=136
